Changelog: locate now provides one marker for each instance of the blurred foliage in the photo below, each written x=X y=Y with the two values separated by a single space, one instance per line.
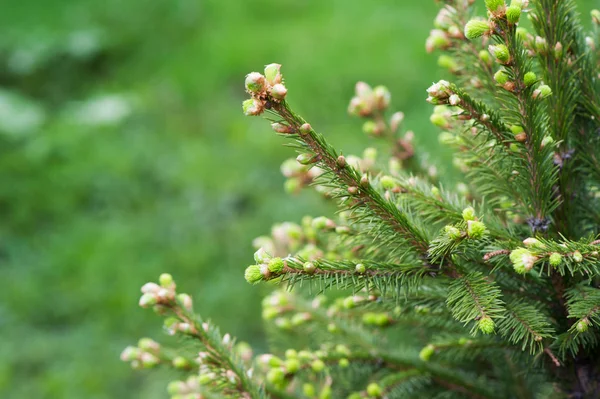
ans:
x=124 y=153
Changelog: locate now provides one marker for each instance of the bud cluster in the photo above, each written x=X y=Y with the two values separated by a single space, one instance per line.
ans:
x=312 y=239
x=280 y=371
x=264 y=90
x=147 y=354
x=369 y=101
x=188 y=389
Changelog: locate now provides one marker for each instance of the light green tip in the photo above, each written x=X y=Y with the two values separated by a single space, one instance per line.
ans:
x=276 y=265
x=476 y=28
x=427 y=352
x=253 y=274
x=486 y=325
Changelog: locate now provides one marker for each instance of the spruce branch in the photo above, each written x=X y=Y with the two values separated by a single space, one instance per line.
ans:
x=356 y=185
x=473 y=298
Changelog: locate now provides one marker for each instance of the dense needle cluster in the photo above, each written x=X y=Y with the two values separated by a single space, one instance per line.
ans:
x=490 y=290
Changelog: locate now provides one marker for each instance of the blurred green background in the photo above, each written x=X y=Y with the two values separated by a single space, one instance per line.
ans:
x=124 y=153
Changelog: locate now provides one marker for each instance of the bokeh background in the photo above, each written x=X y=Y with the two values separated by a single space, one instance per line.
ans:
x=124 y=153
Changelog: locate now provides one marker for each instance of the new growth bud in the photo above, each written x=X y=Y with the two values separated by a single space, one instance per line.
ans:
x=278 y=91
x=555 y=259
x=273 y=74
x=500 y=51
x=495 y=5
x=529 y=79
x=513 y=14
x=255 y=83
x=426 y=353
x=476 y=28
x=468 y=214
x=252 y=107
x=253 y=274
x=475 y=229
x=486 y=325
x=522 y=260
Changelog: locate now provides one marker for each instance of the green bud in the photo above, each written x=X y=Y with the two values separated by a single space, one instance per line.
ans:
x=309 y=267
x=360 y=268
x=582 y=325
x=370 y=127
x=255 y=82
x=147 y=300
x=468 y=214
x=317 y=365
x=278 y=91
x=292 y=185
x=382 y=97
x=374 y=390
x=486 y=325
x=427 y=352
x=494 y=5
x=205 y=379
x=387 y=182
x=306 y=159
x=382 y=319
x=176 y=388
x=476 y=28
x=595 y=16
x=349 y=302
x=543 y=91
x=369 y=318
x=148 y=344
x=269 y=313
x=276 y=265
x=447 y=62
x=166 y=280
x=516 y=129
x=149 y=360
x=180 y=362
x=253 y=274
x=276 y=376
x=292 y=365
x=309 y=390
x=274 y=361
x=438 y=120
x=475 y=229
x=343 y=363
x=500 y=51
x=484 y=56
x=577 y=257
x=555 y=259
x=533 y=243
x=261 y=256
x=283 y=323
x=273 y=74
x=252 y=107
x=291 y=354
x=130 y=353
x=547 y=140
x=452 y=232
x=522 y=260
x=325 y=392
x=513 y=14
x=529 y=79
x=332 y=328
x=501 y=77
x=355 y=395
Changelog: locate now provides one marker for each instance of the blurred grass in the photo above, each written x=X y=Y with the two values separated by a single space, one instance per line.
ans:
x=124 y=153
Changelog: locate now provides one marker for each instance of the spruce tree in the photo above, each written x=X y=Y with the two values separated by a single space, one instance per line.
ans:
x=488 y=291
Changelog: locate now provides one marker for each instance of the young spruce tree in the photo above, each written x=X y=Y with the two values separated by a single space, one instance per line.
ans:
x=490 y=292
